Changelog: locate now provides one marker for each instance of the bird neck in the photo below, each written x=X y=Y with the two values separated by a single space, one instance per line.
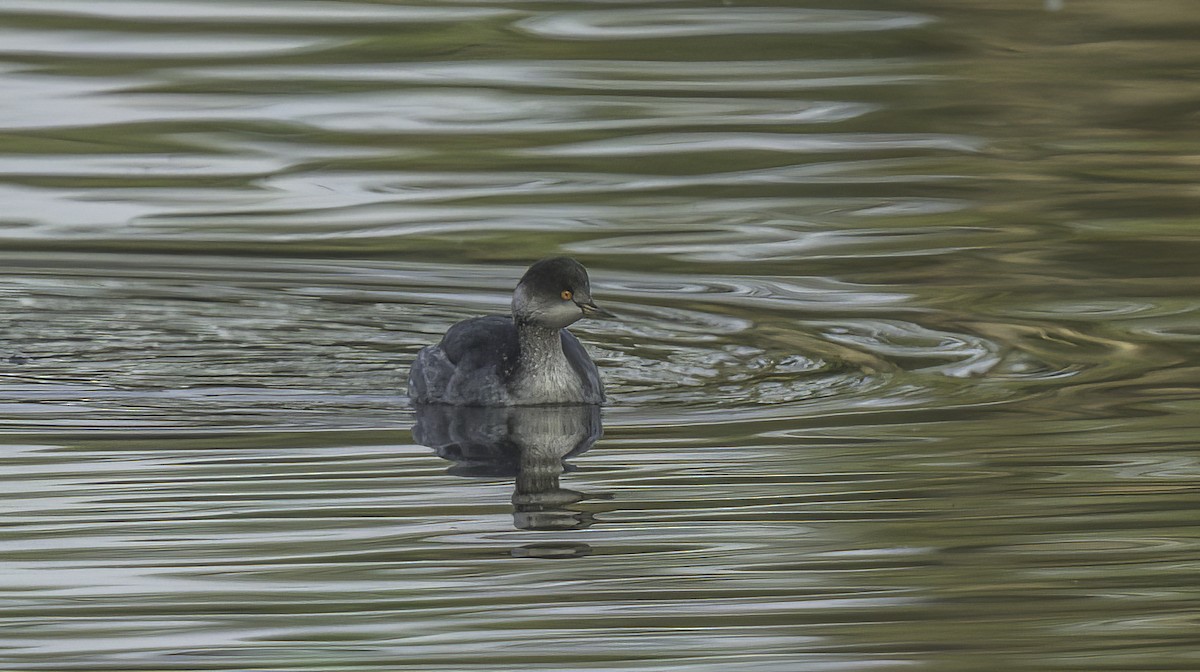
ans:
x=538 y=343
x=543 y=374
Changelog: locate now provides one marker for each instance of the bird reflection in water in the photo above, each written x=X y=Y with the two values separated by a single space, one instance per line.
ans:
x=527 y=443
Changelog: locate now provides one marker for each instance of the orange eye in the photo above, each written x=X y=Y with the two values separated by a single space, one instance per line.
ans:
x=566 y=295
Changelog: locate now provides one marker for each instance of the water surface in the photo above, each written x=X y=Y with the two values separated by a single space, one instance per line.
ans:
x=905 y=376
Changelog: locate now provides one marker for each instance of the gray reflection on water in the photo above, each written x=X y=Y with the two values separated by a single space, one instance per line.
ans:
x=527 y=443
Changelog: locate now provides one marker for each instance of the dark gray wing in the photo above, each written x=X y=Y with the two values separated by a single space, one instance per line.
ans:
x=468 y=366
x=581 y=361
x=483 y=342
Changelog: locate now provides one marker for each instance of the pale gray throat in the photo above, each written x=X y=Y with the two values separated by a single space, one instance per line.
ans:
x=541 y=347
x=543 y=372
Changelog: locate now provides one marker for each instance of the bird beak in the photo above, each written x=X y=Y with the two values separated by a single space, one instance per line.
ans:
x=592 y=310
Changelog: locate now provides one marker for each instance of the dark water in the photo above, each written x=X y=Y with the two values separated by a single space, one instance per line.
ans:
x=907 y=374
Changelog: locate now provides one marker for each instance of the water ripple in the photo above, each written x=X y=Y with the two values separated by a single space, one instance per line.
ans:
x=743 y=342
x=614 y=76
x=628 y=24
x=27 y=43
x=308 y=12
x=675 y=143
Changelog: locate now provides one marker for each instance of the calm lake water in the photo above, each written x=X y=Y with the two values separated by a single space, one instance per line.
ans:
x=907 y=374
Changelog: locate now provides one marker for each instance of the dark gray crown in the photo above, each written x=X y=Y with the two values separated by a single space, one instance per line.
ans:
x=551 y=276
